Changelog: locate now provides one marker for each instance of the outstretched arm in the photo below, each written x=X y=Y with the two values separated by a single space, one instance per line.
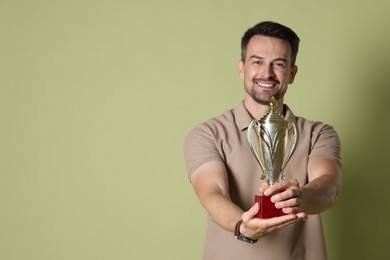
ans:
x=320 y=193
x=211 y=185
x=322 y=190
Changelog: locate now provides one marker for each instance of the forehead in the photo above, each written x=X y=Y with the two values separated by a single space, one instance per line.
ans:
x=268 y=47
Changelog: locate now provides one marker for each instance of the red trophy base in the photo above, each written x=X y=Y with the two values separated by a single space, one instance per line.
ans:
x=267 y=208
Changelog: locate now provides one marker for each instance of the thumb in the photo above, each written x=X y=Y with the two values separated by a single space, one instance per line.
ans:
x=251 y=213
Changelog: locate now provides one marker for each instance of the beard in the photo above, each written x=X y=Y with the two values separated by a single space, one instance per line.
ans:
x=264 y=97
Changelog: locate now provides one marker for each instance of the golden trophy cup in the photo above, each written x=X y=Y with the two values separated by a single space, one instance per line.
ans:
x=272 y=135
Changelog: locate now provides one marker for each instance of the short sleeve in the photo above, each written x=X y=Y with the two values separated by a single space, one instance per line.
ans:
x=200 y=147
x=326 y=143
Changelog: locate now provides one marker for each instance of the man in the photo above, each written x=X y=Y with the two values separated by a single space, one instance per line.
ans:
x=225 y=175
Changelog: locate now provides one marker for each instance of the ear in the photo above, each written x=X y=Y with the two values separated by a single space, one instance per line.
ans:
x=241 y=70
x=293 y=72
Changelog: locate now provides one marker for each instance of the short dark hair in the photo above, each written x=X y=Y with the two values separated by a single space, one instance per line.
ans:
x=271 y=29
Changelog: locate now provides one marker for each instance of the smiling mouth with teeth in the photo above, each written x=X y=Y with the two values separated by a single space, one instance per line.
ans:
x=265 y=85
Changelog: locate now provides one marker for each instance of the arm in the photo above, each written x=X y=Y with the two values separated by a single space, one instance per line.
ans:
x=323 y=188
x=210 y=183
x=319 y=194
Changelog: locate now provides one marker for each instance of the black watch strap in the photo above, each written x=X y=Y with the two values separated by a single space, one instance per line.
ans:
x=240 y=237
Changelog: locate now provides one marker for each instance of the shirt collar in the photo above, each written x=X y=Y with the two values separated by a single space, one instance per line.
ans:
x=243 y=118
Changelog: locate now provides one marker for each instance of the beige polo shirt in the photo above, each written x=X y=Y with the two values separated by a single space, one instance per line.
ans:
x=224 y=138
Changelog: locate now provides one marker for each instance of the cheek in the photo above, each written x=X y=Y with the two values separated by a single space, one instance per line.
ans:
x=286 y=77
x=250 y=74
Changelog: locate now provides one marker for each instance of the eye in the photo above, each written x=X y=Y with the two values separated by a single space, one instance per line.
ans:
x=256 y=62
x=280 y=64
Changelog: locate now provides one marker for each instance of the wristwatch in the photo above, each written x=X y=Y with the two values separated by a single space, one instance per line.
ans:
x=240 y=237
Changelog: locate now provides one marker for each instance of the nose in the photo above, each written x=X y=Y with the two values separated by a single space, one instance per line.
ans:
x=267 y=71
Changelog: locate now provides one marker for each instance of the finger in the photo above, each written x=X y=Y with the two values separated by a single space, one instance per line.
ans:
x=251 y=213
x=286 y=220
x=293 y=210
x=281 y=186
x=293 y=218
x=285 y=201
x=273 y=189
x=302 y=215
x=263 y=187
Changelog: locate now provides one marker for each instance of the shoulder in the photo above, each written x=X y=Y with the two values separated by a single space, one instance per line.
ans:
x=316 y=128
x=223 y=120
x=203 y=143
x=322 y=139
x=214 y=126
x=307 y=125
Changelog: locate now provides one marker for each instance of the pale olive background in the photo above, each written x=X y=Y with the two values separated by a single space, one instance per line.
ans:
x=96 y=98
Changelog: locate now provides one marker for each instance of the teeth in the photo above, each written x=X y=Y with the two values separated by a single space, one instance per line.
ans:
x=265 y=85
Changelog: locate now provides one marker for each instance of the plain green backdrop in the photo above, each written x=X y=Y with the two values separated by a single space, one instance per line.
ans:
x=96 y=98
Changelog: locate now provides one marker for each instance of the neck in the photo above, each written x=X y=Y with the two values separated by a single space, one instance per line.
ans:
x=257 y=110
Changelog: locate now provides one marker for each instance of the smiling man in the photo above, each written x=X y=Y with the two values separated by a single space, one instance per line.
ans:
x=225 y=175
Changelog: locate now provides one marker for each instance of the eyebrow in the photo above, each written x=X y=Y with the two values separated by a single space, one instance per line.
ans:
x=261 y=58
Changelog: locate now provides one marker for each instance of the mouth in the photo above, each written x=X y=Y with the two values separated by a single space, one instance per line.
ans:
x=265 y=84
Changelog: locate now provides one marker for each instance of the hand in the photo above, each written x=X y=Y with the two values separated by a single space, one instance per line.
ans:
x=256 y=228
x=287 y=195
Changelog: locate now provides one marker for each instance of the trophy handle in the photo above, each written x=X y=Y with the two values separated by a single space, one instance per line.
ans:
x=252 y=125
x=296 y=138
